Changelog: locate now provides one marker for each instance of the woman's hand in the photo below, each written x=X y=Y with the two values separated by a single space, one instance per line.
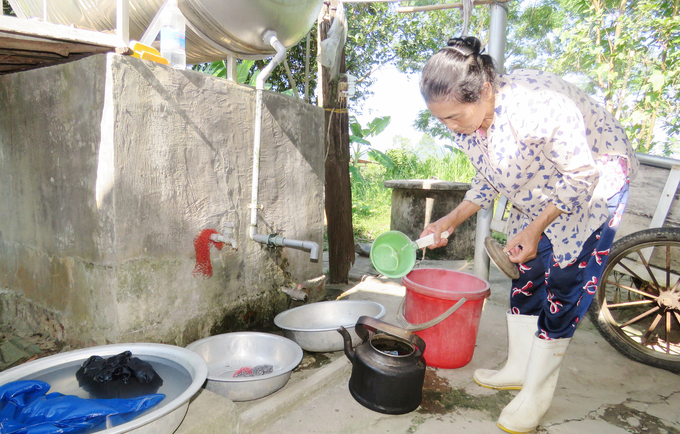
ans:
x=523 y=246
x=449 y=222
x=437 y=228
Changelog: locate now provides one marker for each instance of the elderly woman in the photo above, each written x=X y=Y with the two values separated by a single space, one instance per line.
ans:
x=564 y=163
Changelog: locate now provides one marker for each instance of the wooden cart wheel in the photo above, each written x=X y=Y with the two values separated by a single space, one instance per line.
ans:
x=637 y=305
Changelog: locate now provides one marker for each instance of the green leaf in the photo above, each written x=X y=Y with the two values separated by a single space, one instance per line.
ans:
x=381 y=158
x=355 y=172
x=243 y=70
x=356 y=129
x=358 y=139
x=637 y=117
x=657 y=80
x=378 y=125
x=217 y=69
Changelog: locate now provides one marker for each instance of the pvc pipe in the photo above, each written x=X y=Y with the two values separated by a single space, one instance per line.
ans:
x=307 y=245
x=274 y=240
x=270 y=240
x=270 y=37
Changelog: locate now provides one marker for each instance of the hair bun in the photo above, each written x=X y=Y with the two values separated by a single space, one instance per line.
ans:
x=470 y=43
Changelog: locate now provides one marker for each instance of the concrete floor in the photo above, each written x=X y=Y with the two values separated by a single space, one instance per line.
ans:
x=599 y=390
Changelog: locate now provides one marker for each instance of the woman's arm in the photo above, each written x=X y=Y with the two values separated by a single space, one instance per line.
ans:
x=450 y=222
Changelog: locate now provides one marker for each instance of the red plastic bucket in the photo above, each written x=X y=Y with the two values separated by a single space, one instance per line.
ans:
x=429 y=293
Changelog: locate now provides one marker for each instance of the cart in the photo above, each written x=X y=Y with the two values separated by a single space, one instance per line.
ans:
x=637 y=305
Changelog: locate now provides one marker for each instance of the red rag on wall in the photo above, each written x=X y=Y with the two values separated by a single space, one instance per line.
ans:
x=202 y=243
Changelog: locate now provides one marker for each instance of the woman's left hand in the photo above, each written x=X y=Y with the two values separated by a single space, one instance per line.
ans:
x=524 y=246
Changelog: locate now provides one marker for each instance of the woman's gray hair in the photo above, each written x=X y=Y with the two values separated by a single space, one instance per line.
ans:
x=457 y=72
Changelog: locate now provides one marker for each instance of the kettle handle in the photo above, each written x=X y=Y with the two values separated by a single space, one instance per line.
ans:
x=365 y=322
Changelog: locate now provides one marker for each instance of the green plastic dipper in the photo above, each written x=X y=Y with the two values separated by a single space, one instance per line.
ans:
x=393 y=254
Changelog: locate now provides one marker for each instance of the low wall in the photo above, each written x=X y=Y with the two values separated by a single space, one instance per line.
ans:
x=646 y=190
x=110 y=166
x=417 y=202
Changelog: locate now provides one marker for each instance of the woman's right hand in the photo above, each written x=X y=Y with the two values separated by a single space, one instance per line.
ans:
x=437 y=228
x=450 y=222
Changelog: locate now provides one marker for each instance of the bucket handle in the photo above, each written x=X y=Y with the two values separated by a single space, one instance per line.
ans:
x=427 y=324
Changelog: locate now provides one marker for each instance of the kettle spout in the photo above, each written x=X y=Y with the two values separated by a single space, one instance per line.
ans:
x=349 y=351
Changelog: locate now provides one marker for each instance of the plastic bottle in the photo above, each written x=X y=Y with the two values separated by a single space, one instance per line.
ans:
x=173 y=28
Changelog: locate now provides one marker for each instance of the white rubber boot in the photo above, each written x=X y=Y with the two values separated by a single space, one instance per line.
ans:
x=524 y=412
x=521 y=331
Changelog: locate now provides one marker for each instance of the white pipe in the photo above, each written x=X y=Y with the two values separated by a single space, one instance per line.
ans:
x=271 y=240
x=123 y=21
x=269 y=37
x=154 y=27
x=277 y=240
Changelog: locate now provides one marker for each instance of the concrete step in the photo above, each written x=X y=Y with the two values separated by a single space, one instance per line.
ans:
x=209 y=412
x=256 y=418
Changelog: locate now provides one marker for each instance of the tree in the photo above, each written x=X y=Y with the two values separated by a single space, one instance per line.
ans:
x=6 y=8
x=624 y=52
x=338 y=189
x=627 y=52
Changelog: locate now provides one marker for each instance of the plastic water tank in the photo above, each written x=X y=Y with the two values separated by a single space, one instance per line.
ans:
x=215 y=28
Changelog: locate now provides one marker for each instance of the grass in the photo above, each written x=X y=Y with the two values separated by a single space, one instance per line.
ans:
x=371 y=201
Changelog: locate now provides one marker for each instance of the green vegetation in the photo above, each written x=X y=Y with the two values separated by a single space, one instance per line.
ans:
x=371 y=201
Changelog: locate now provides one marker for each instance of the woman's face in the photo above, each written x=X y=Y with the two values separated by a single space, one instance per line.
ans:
x=462 y=118
x=465 y=118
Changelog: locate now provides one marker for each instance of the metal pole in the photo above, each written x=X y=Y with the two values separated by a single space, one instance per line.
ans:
x=230 y=66
x=439 y=7
x=497 y=30
x=122 y=21
x=307 y=66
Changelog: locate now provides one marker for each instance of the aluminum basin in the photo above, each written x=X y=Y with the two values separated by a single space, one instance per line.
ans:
x=183 y=373
x=225 y=354
x=315 y=326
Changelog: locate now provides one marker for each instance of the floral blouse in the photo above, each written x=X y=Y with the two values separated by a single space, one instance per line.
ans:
x=549 y=142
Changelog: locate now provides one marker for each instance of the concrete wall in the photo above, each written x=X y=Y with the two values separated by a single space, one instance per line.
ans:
x=645 y=193
x=419 y=202
x=110 y=166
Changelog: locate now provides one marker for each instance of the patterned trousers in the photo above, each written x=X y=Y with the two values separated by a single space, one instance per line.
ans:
x=561 y=296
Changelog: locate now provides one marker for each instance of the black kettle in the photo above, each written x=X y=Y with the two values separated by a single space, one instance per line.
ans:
x=388 y=369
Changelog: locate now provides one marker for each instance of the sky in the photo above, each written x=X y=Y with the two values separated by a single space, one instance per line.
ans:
x=395 y=95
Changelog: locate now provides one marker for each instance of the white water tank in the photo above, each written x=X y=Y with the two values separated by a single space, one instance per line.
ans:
x=215 y=28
